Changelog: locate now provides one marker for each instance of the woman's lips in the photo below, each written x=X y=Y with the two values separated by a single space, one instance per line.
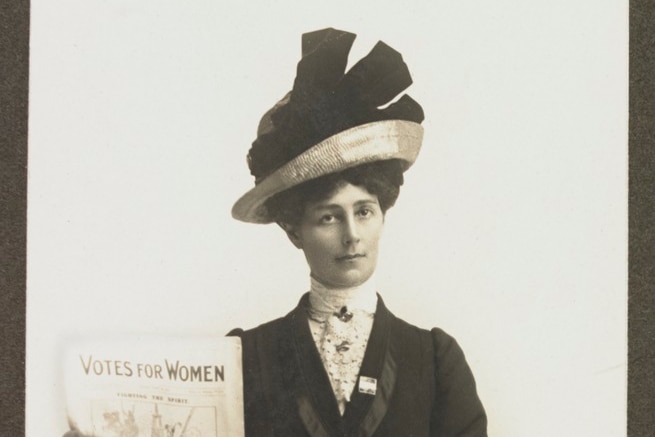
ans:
x=350 y=257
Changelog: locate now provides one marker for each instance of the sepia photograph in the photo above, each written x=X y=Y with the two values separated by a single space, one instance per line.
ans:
x=411 y=217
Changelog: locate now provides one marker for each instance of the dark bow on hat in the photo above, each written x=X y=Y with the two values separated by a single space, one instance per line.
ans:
x=325 y=101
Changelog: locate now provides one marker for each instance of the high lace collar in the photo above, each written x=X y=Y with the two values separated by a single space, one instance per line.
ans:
x=362 y=297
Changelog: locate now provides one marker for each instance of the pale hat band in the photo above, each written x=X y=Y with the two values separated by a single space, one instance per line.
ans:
x=376 y=141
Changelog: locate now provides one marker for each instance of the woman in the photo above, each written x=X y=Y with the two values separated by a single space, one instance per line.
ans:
x=328 y=162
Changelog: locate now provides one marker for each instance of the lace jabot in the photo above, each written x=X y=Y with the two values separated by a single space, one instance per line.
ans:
x=340 y=321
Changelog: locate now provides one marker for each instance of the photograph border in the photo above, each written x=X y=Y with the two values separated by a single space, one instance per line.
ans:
x=14 y=74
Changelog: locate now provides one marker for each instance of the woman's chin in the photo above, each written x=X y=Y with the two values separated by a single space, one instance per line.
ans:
x=348 y=280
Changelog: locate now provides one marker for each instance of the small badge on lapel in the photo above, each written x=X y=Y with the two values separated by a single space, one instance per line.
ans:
x=368 y=385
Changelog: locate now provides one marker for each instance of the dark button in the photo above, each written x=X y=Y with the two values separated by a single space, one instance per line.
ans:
x=344 y=315
x=343 y=347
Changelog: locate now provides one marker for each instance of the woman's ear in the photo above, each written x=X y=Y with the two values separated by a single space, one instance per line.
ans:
x=292 y=233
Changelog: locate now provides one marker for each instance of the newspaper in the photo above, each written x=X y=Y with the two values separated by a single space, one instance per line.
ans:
x=155 y=387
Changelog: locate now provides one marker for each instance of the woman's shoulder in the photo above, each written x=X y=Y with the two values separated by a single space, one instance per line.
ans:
x=445 y=348
x=443 y=342
x=273 y=327
x=264 y=329
x=437 y=336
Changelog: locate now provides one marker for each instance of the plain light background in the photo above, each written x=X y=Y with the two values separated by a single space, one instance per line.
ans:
x=510 y=232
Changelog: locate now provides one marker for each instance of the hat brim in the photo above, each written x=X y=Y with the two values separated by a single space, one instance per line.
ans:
x=377 y=141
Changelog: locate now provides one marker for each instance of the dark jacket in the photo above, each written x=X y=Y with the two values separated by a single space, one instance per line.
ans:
x=424 y=385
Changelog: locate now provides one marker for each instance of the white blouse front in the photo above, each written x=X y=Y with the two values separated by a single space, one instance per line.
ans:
x=340 y=321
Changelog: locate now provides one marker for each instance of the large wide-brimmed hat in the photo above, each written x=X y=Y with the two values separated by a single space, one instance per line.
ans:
x=332 y=120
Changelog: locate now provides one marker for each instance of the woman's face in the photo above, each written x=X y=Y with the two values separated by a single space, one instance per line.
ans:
x=340 y=236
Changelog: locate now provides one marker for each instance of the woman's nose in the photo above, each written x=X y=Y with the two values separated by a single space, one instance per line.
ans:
x=350 y=232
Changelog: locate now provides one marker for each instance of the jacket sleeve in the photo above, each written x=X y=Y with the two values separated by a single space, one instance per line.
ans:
x=457 y=411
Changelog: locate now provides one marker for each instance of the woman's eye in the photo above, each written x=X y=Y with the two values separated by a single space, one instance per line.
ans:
x=327 y=219
x=365 y=212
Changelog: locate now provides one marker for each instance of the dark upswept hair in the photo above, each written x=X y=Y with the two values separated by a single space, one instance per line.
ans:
x=380 y=178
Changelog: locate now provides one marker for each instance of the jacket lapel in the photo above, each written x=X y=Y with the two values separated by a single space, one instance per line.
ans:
x=317 y=405
x=365 y=411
